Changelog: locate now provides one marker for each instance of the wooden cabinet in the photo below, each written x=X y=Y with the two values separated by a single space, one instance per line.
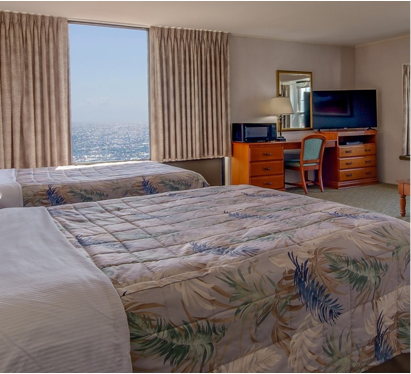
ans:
x=258 y=164
x=350 y=164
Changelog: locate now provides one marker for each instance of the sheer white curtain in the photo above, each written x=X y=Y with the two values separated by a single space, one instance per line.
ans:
x=406 y=108
x=34 y=91
x=189 y=94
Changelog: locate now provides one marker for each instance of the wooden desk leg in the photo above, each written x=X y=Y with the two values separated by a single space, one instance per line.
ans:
x=403 y=203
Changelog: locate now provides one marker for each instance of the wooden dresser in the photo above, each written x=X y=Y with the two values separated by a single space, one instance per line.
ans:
x=344 y=165
x=350 y=164
x=258 y=164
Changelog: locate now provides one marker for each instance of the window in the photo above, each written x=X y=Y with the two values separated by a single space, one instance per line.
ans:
x=109 y=93
x=406 y=81
x=297 y=90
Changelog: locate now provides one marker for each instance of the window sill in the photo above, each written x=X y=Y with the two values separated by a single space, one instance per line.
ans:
x=406 y=158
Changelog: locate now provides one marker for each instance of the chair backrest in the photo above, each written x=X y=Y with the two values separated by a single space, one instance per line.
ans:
x=312 y=149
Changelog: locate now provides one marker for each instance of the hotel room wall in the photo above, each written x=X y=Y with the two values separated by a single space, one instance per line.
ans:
x=379 y=65
x=254 y=62
x=210 y=169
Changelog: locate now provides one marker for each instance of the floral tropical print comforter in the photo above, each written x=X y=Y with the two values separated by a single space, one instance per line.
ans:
x=245 y=279
x=72 y=184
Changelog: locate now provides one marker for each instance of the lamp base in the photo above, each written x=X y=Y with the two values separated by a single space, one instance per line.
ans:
x=281 y=139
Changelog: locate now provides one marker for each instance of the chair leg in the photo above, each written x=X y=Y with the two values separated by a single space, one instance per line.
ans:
x=303 y=181
x=320 y=180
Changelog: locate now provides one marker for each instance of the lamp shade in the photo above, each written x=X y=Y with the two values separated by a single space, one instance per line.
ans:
x=281 y=106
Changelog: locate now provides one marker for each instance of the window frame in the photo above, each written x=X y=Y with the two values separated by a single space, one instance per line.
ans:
x=120 y=26
x=407 y=132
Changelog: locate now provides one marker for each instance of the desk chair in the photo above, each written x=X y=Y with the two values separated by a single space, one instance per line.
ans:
x=311 y=158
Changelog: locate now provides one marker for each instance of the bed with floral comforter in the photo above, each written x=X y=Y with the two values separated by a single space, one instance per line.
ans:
x=245 y=279
x=80 y=183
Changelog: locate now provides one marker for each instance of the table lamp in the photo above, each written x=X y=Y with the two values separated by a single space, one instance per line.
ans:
x=281 y=106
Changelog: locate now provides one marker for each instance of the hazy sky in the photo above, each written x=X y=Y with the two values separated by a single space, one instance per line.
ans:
x=108 y=69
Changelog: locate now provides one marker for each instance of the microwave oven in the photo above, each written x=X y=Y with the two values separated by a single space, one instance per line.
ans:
x=254 y=132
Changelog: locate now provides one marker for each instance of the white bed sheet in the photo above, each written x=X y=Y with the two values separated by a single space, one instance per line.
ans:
x=10 y=190
x=58 y=311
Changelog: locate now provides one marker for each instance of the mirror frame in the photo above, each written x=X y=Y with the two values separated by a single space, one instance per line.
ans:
x=311 y=96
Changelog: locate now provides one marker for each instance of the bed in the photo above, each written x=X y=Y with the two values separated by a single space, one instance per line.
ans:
x=58 y=312
x=79 y=183
x=245 y=279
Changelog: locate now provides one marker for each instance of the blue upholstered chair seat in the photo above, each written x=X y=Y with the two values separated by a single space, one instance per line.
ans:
x=295 y=162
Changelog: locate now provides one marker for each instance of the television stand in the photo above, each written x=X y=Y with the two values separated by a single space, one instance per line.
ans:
x=353 y=162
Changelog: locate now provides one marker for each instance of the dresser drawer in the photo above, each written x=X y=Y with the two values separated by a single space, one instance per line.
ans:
x=266 y=153
x=357 y=162
x=266 y=168
x=270 y=181
x=357 y=150
x=350 y=174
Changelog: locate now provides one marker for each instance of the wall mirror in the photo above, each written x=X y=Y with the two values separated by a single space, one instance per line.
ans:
x=296 y=85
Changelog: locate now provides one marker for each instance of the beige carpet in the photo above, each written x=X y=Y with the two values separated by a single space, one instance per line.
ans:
x=381 y=198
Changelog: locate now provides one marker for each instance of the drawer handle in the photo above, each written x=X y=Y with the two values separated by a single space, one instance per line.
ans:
x=368 y=173
x=348 y=175
x=348 y=163
x=268 y=183
x=368 y=161
x=267 y=154
x=368 y=150
x=267 y=169
x=350 y=151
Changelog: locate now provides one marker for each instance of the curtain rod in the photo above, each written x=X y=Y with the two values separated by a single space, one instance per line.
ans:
x=131 y=26
x=106 y=23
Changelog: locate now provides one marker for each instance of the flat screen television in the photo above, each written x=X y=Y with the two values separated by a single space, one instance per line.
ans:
x=344 y=109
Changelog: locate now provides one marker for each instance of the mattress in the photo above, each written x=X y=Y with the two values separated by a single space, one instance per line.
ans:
x=245 y=279
x=79 y=183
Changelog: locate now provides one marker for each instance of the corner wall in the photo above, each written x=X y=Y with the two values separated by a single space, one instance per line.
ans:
x=379 y=65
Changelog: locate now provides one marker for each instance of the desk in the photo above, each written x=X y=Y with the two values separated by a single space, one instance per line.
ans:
x=262 y=164
x=350 y=160
x=403 y=190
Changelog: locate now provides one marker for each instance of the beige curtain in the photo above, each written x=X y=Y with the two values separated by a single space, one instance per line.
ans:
x=34 y=91
x=189 y=94
x=406 y=108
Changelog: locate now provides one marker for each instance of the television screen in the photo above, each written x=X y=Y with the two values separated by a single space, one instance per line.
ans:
x=344 y=109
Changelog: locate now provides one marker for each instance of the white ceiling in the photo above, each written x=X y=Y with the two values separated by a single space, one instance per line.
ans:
x=347 y=23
